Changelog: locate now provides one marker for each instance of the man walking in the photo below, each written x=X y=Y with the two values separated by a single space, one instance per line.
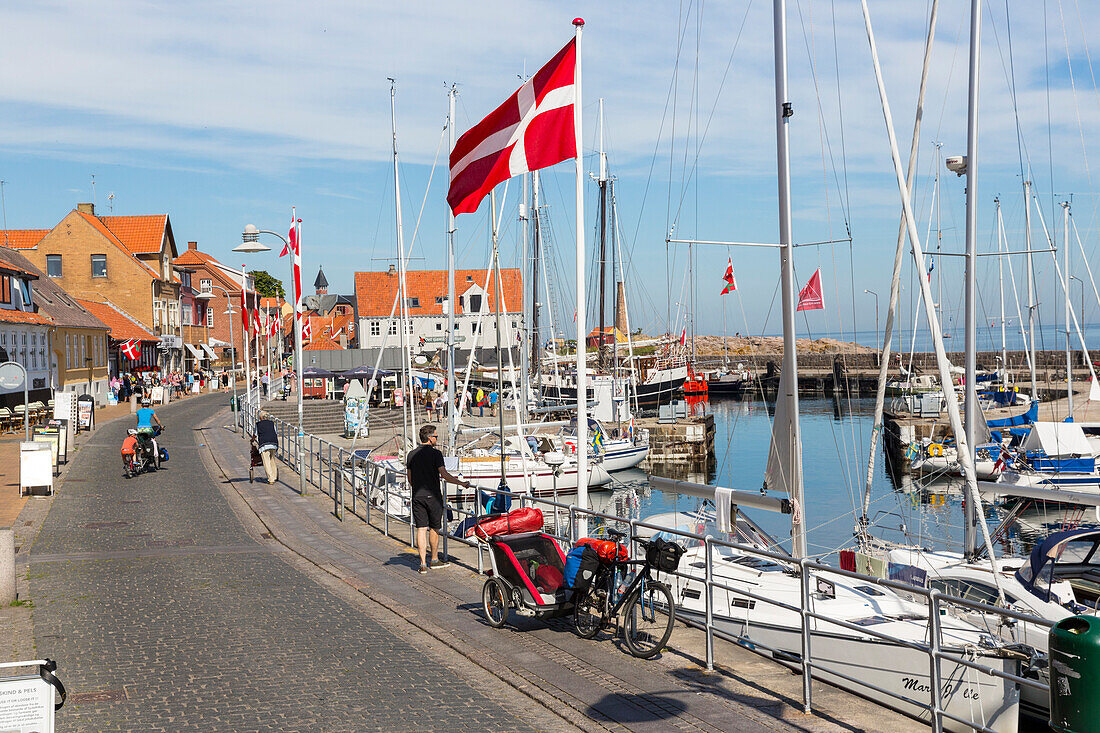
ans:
x=425 y=468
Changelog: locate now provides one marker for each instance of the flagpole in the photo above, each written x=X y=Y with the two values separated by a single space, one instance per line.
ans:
x=452 y=425
x=582 y=377
x=245 y=332
x=296 y=264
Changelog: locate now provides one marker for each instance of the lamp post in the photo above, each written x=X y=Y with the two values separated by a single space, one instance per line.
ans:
x=1082 y=283
x=872 y=292
x=250 y=244
x=232 y=346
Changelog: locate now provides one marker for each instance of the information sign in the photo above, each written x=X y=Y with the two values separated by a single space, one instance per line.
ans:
x=26 y=705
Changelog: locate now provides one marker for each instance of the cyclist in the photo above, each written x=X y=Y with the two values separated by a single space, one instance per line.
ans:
x=146 y=417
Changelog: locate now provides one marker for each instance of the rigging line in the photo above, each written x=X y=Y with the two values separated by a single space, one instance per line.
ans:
x=823 y=130
x=840 y=115
x=1050 y=124
x=1076 y=104
x=1012 y=88
x=681 y=30
x=428 y=186
x=1092 y=75
x=714 y=107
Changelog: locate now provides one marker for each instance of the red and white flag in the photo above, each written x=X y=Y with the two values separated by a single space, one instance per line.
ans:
x=256 y=327
x=307 y=330
x=276 y=323
x=811 y=297
x=533 y=129
x=245 y=320
x=731 y=281
x=131 y=348
x=684 y=337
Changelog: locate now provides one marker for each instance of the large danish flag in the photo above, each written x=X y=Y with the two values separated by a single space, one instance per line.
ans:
x=533 y=129
x=131 y=348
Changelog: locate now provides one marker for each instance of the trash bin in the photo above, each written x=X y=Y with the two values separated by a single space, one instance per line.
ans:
x=1074 y=666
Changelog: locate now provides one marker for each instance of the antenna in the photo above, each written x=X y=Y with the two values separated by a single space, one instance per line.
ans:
x=93 y=192
x=111 y=201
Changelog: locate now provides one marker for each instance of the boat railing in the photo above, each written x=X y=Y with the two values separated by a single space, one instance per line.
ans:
x=365 y=488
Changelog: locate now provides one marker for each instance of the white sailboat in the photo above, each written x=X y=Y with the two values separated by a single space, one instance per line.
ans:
x=761 y=614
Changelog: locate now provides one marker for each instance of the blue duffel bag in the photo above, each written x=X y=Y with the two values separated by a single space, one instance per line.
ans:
x=581 y=564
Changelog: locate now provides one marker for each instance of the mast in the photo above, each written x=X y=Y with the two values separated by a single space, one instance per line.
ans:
x=895 y=283
x=452 y=425
x=1065 y=282
x=519 y=384
x=784 y=110
x=536 y=340
x=500 y=357
x=408 y=411
x=1001 y=282
x=970 y=401
x=602 y=182
x=1031 y=304
x=582 y=376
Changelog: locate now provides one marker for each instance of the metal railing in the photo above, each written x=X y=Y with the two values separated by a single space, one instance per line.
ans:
x=373 y=487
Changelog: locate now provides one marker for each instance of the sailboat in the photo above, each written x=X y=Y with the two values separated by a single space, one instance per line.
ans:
x=757 y=597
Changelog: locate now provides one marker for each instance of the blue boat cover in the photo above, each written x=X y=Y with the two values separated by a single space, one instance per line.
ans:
x=1040 y=565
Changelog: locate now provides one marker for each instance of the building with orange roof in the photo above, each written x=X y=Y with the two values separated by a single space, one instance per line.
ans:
x=122 y=327
x=427 y=307
x=127 y=259
x=218 y=288
x=24 y=331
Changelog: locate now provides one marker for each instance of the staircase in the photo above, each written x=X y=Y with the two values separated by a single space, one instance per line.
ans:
x=319 y=417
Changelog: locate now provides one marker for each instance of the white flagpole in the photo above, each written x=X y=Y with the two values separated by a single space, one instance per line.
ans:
x=582 y=377
x=296 y=266
x=245 y=332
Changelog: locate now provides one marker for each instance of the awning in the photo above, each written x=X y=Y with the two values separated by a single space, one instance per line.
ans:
x=195 y=352
x=210 y=351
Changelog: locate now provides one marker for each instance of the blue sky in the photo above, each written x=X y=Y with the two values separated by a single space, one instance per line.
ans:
x=224 y=114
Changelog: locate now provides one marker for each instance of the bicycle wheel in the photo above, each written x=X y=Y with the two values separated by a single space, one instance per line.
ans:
x=587 y=615
x=650 y=614
x=494 y=601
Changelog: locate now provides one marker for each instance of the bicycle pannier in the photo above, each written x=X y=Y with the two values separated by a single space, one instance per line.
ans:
x=664 y=555
x=581 y=564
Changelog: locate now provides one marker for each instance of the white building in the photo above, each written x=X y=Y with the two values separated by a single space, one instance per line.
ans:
x=475 y=314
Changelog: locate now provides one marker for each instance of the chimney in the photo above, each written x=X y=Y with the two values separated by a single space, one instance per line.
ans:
x=620 y=307
x=86 y=209
x=393 y=270
x=192 y=245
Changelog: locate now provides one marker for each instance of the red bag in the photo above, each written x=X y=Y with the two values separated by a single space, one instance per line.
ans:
x=548 y=579
x=607 y=550
x=514 y=522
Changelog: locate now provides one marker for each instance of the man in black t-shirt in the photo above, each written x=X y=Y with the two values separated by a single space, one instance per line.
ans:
x=425 y=468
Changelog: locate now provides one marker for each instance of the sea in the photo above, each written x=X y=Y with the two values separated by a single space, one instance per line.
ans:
x=1047 y=337
x=835 y=446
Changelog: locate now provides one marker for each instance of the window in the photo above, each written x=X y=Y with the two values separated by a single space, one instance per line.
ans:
x=99 y=265
x=438 y=326
x=158 y=311
x=186 y=316
x=53 y=265
x=68 y=351
x=5 y=289
x=205 y=285
x=469 y=278
x=439 y=299
x=413 y=302
x=375 y=328
x=209 y=317
x=393 y=328
x=475 y=303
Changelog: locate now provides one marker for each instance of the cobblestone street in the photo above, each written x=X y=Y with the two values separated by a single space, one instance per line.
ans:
x=165 y=614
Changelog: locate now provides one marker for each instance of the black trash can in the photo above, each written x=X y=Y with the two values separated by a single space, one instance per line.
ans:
x=1074 y=669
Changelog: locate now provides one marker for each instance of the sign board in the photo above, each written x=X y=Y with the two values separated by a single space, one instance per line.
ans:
x=157 y=394
x=12 y=376
x=84 y=414
x=35 y=470
x=26 y=705
x=53 y=436
x=64 y=406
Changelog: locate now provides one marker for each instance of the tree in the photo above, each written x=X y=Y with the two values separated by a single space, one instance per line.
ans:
x=266 y=285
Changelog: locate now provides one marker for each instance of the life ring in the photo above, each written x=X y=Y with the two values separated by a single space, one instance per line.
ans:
x=570 y=447
x=935 y=449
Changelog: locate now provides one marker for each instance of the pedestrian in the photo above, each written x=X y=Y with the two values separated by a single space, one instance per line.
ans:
x=425 y=468
x=267 y=440
x=493 y=403
x=429 y=403
x=480 y=402
x=264 y=381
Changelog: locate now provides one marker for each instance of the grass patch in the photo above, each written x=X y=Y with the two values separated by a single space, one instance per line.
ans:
x=22 y=603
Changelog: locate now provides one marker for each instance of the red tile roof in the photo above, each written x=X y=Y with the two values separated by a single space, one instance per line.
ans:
x=375 y=291
x=121 y=326
x=196 y=258
x=14 y=316
x=141 y=235
x=100 y=227
x=320 y=342
x=22 y=238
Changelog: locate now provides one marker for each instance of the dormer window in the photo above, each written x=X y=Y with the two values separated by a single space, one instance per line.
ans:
x=414 y=302
x=5 y=288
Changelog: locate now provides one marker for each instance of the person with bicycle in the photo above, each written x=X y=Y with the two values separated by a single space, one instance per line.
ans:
x=425 y=469
x=146 y=433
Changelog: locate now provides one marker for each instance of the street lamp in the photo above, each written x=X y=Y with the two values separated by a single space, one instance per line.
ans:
x=232 y=346
x=872 y=292
x=1082 y=317
x=250 y=244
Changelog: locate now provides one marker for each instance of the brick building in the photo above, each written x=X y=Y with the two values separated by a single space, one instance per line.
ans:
x=208 y=276
x=126 y=259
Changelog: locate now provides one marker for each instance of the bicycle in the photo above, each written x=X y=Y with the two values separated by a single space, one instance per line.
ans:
x=647 y=606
